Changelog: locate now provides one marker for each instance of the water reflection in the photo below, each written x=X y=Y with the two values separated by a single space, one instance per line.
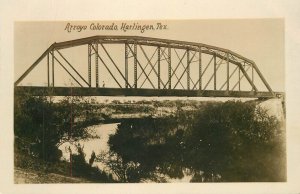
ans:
x=232 y=142
x=97 y=145
x=145 y=150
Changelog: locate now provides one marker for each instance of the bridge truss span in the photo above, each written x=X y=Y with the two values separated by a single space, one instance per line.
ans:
x=132 y=65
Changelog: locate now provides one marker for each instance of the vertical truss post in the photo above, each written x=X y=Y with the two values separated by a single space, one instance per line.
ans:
x=89 y=65
x=215 y=72
x=252 y=74
x=96 y=63
x=52 y=68
x=188 y=69
x=239 y=79
x=48 y=73
x=126 y=65
x=135 y=65
x=200 y=68
x=169 y=67
x=158 y=67
x=240 y=76
x=227 y=62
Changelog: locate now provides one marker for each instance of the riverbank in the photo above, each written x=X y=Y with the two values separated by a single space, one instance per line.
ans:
x=152 y=149
x=23 y=176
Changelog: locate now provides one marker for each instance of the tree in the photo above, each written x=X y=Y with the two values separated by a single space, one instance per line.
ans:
x=124 y=171
x=143 y=149
x=231 y=141
x=237 y=141
x=81 y=168
x=44 y=124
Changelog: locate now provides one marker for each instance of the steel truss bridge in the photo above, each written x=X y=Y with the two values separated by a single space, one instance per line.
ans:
x=142 y=66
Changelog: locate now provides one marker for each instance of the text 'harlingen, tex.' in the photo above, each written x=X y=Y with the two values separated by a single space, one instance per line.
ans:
x=124 y=27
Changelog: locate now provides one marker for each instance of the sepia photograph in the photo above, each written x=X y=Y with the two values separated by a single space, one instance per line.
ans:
x=149 y=97
x=149 y=101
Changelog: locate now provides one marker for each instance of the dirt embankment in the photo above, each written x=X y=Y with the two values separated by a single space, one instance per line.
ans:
x=29 y=176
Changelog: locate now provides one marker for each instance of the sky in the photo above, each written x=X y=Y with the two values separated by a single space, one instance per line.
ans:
x=261 y=40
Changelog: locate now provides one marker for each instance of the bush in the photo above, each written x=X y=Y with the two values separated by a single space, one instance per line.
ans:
x=231 y=141
x=81 y=168
x=237 y=141
x=45 y=125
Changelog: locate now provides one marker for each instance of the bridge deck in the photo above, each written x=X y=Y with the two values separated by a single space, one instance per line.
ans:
x=81 y=91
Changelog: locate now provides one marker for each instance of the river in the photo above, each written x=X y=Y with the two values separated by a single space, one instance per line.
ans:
x=97 y=145
x=191 y=146
x=100 y=145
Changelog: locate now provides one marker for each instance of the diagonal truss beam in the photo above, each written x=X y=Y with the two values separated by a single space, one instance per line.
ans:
x=247 y=77
x=190 y=61
x=136 y=59
x=262 y=77
x=115 y=64
x=216 y=67
x=232 y=73
x=180 y=62
x=185 y=69
x=169 y=80
x=174 y=71
x=206 y=67
x=147 y=62
x=34 y=64
x=65 y=70
x=98 y=56
x=232 y=57
x=170 y=68
x=153 y=66
x=72 y=67
x=240 y=78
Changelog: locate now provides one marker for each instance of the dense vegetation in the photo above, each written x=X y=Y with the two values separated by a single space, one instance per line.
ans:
x=42 y=125
x=231 y=141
